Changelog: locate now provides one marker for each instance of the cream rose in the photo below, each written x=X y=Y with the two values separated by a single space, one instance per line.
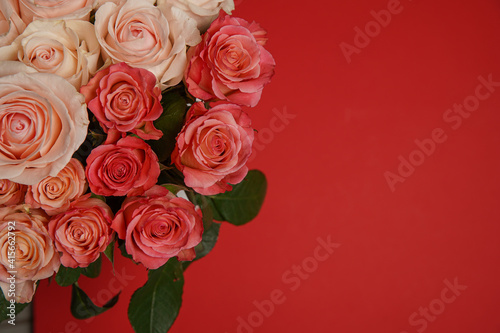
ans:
x=67 y=48
x=11 y=24
x=142 y=35
x=61 y=9
x=54 y=194
x=23 y=232
x=43 y=121
x=203 y=11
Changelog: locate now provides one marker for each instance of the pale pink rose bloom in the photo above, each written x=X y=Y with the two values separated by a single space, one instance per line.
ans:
x=158 y=226
x=11 y=24
x=143 y=35
x=11 y=193
x=67 y=48
x=54 y=194
x=231 y=63
x=43 y=121
x=52 y=9
x=35 y=255
x=203 y=11
x=82 y=232
x=213 y=147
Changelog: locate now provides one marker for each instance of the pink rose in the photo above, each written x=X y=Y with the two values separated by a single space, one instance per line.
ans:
x=125 y=99
x=230 y=63
x=11 y=193
x=213 y=148
x=11 y=24
x=158 y=226
x=124 y=168
x=82 y=232
x=43 y=121
x=60 y=9
x=54 y=194
x=23 y=233
x=146 y=36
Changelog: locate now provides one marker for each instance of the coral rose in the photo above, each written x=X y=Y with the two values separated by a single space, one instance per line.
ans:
x=125 y=99
x=127 y=167
x=82 y=232
x=143 y=35
x=213 y=147
x=43 y=121
x=230 y=63
x=23 y=234
x=54 y=194
x=69 y=49
x=158 y=226
x=11 y=193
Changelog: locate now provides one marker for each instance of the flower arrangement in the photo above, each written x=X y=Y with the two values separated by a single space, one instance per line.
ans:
x=122 y=127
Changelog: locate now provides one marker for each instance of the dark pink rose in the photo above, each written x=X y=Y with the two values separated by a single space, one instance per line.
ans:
x=82 y=232
x=213 y=147
x=158 y=226
x=118 y=168
x=230 y=63
x=125 y=99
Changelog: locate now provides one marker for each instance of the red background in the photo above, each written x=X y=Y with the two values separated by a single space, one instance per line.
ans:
x=326 y=177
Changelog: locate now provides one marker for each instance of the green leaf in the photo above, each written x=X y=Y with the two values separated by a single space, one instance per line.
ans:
x=243 y=203
x=110 y=253
x=94 y=269
x=123 y=249
x=175 y=188
x=207 y=243
x=66 y=276
x=154 y=307
x=5 y=310
x=82 y=306
x=170 y=123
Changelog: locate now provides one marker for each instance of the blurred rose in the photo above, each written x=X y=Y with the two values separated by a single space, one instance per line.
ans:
x=35 y=256
x=142 y=35
x=68 y=49
x=230 y=63
x=11 y=193
x=125 y=99
x=43 y=121
x=124 y=168
x=60 y=9
x=82 y=232
x=158 y=226
x=54 y=194
x=11 y=24
x=203 y=11
x=213 y=147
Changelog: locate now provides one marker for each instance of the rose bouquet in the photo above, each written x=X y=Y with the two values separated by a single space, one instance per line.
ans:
x=122 y=127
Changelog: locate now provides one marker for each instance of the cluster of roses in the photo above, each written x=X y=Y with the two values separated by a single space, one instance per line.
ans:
x=59 y=58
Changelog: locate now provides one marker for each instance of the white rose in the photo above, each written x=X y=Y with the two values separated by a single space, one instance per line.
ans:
x=142 y=35
x=11 y=24
x=43 y=121
x=61 y=9
x=203 y=11
x=67 y=48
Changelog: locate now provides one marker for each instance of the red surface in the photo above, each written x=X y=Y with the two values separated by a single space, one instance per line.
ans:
x=326 y=178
